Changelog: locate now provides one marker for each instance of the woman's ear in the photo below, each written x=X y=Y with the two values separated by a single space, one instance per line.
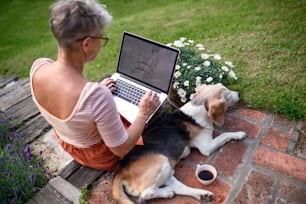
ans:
x=85 y=43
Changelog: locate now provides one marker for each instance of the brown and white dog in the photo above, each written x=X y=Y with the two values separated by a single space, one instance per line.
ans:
x=147 y=172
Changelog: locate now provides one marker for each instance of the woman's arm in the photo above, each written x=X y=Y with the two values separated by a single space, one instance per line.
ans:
x=147 y=106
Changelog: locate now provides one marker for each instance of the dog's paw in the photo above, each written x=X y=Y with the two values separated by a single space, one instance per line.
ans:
x=167 y=194
x=240 y=135
x=208 y=196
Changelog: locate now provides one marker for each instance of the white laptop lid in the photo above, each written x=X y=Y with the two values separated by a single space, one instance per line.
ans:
x=147 y=64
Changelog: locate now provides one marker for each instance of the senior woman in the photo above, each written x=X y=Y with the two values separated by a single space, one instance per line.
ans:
x=83 y=113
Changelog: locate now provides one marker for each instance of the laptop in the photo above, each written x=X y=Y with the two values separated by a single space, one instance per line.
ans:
x=143 y=65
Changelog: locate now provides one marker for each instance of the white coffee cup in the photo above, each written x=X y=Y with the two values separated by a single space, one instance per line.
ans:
x=206 y=173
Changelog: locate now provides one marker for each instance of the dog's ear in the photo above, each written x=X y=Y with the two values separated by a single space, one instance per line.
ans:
x=216 y=110
x=200 y=97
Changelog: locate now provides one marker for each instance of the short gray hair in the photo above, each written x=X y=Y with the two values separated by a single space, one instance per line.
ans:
x=71 y=20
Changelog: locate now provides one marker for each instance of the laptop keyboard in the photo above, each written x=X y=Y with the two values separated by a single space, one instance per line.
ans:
x=128 y=92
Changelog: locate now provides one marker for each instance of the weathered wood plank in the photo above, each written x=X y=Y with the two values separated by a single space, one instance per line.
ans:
x=10 y=89
x=65 y=188
x=34 y=128
x=16 y=95
x=7 y=80
x=23 y=110
x=84 y=176
x=70 y=169
x=48 y=195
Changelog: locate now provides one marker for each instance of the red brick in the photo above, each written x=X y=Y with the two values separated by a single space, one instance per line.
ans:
x=257 y=189
x=292 y=193
x=102 y=193
x=229 y=159
x=186 y=175
x=252 y=114
x=196 y=157
x=235 y=124
x=175 y=200
x=280 y=162
x=277 y=138
x=279 y=120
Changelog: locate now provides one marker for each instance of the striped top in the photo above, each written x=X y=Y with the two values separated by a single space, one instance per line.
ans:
x=94 y=117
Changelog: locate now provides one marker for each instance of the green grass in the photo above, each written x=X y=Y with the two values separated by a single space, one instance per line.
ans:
x=264 y=39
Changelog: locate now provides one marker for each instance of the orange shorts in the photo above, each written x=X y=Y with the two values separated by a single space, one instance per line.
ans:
x=97 y=156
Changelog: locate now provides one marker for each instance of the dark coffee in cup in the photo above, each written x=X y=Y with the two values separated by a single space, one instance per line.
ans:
x=205 y=175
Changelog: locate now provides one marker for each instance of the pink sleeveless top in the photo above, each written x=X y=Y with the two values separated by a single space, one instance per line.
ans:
x=93 y=119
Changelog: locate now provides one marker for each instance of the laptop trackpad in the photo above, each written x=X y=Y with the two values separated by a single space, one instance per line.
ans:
x=127 y=110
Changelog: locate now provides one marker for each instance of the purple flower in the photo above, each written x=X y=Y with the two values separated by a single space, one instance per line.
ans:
x=9 y=147
x=27 y=149
x=32 y=178
x=10 y=174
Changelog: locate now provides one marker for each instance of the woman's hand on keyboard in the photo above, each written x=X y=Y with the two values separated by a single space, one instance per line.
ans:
x=148 y=104
x=110 y=83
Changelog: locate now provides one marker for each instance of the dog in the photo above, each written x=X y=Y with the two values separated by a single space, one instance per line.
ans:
x=147 y=172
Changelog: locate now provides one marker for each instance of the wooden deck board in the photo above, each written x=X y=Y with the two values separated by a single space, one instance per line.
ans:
x=71 y=168
x=48 y=195
x=23 y=111
x=34 y=128
x=84 y=176
x=13 y=95
x=7 y=80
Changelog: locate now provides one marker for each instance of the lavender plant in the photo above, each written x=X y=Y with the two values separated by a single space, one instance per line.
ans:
x=21 y=173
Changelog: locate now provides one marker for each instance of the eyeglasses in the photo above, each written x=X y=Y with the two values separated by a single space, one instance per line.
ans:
x=104 y=39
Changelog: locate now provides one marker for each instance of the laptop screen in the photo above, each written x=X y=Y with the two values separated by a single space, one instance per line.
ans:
x=147 y=61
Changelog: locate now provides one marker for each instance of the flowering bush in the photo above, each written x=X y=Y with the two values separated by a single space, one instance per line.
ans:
x=196 y=67
x=21 y=173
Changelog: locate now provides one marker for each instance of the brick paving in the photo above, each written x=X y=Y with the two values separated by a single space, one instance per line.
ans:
x=262 y=168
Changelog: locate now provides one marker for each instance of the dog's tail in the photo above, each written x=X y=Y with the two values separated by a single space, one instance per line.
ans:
x=118 y=191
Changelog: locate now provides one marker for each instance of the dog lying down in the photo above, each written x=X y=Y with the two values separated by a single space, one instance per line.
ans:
x=147 y=171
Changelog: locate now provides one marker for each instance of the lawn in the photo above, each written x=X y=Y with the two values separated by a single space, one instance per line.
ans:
x=264 y=39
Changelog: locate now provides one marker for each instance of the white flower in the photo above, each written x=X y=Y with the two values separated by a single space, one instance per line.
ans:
x=224 y=68
x=207 y=63
x=176 y=84
x=184 y=64
x=177 y=74
x=181 y=92
x=209 y=79
x=199 y=45
x=191 y=41
x=182 y=39
x=232 y=74
x=169 y=44
x=198 y=78
x=177 y=67
x=189 y=66
x=183 y=99
x=220 y=76
x=178 y=43
x=229 y=64
x=217 y=57
x=186 y=83
x=185 y=43
x=201 y=48
x=197 y=68
x=204 y=56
